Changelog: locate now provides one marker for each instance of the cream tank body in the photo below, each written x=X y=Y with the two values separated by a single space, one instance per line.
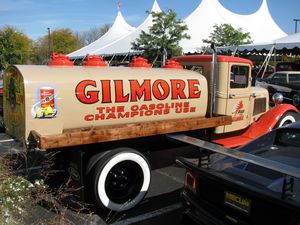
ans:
x=50 y=99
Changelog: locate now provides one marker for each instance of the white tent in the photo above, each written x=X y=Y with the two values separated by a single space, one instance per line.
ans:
x=289 y=42
x=119 y=29
x=123 y=45
x=200 y=24
x=260 y=24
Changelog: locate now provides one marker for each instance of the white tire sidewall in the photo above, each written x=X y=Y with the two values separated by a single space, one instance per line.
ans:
x=286 y=118
x=123 y=156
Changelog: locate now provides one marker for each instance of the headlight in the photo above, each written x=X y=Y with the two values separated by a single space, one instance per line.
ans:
x=277 y=98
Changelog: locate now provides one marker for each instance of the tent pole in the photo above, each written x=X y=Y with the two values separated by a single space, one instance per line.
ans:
x=262 y=66
x=111 y=59
x=275 y=60
x=235 y=50
x=125 y=57
x=154 y=61
x=268 y=60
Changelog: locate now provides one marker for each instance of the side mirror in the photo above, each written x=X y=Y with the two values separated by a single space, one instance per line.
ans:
x=277 y=98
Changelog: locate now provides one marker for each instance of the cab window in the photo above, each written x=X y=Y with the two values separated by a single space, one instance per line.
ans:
x=239 y=76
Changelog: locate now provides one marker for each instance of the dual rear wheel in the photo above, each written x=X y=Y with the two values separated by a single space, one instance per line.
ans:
x=121 y=178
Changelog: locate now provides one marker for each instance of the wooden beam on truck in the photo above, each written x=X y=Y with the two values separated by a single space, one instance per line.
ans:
x=91 y=135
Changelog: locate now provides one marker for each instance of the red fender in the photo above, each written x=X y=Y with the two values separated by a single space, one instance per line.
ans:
x=260 y=127
x=268 y=121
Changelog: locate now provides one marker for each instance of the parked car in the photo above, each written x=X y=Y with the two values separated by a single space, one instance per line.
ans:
x=258 y=183
x=285 y=82
x=287 y=66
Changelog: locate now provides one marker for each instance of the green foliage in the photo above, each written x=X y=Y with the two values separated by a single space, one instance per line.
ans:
x=226 y=35
x=61 y=41
x=165 y=33
x=15 y=47
x=64 y=41
x=16 y=194
x=40 y=50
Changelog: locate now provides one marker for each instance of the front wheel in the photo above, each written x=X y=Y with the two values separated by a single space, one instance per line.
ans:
x=296 y=100
x=121 y=179
x=287 y=118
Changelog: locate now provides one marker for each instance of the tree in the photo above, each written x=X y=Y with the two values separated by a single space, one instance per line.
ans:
x=164 y=36
x=62 y=41
x=226 y=35
x=15 y=47
x=87 y=37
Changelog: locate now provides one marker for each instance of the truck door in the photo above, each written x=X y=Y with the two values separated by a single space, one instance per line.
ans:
x=238 y=101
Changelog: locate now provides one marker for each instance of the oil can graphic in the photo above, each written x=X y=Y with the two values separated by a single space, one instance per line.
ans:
x=45 y=107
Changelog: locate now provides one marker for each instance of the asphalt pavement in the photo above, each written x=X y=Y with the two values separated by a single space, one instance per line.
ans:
x=162 y=204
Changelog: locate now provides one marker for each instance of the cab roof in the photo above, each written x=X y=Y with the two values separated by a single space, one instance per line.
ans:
x=208 y=58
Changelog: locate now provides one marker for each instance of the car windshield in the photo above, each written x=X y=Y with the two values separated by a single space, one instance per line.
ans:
x=260 y=177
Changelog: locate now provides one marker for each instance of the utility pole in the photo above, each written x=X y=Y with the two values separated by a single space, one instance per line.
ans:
x=296 y=23
x=49 y=42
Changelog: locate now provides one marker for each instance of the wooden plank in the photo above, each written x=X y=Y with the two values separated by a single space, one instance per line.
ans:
x=90 y=135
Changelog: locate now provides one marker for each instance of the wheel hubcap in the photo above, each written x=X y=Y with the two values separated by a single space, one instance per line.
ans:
x=118 y=178
x=124 y=181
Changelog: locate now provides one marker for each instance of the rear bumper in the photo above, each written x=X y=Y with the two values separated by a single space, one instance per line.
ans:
x=198 y=214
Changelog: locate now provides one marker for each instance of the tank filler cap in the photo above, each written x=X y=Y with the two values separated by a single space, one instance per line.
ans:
x=172 y=64
x=94 y=60
x=139 y=62
x=60 y=60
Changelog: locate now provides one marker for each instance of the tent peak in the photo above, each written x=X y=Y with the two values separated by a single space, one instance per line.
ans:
x=120 y=21
x=155 y=7
x=264 y=8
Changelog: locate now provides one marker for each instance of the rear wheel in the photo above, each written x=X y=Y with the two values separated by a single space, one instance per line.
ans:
x=121 y=179
x=287 y=118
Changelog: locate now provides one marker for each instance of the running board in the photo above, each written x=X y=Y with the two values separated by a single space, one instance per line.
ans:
x=250 y=158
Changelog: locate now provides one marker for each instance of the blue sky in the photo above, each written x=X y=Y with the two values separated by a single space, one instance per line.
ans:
x=33 y=17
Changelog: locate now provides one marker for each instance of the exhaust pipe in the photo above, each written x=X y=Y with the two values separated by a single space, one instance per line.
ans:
x=214 y=72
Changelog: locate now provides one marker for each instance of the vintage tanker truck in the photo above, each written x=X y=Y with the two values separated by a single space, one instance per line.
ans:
x=104 y=122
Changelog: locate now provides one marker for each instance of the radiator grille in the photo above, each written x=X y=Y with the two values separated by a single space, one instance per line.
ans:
x=259 y=106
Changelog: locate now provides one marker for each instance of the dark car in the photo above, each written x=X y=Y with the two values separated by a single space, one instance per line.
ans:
x=285 y=82
x=255 y=184
x=287 y=66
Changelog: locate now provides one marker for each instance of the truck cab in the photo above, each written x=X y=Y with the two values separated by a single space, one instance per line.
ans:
x=234 y=95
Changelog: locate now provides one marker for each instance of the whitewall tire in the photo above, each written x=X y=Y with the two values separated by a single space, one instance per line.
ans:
x=121 y=179
x=287 y=118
